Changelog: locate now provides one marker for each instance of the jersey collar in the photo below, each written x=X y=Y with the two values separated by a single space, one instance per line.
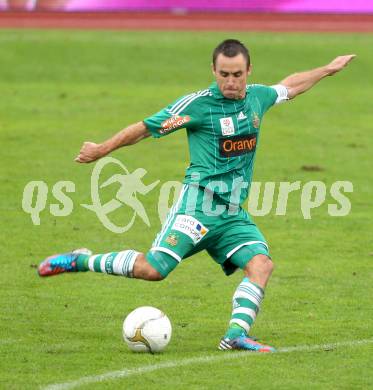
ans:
x=218 y=95
x=216 y=91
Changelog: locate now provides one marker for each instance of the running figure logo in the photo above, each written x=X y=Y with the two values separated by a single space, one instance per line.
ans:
x=130 y=185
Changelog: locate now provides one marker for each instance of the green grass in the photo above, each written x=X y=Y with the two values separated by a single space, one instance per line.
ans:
x=62 y=88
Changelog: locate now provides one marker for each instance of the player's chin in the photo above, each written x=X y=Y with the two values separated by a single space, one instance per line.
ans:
x=230 y=94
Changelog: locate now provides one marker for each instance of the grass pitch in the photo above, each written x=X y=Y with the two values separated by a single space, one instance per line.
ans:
x=62 y=88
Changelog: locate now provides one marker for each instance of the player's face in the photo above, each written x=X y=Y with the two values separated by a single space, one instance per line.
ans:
x=231 y=75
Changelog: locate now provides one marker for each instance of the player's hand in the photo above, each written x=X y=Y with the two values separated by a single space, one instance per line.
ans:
x=339 y=63
x=89 y=152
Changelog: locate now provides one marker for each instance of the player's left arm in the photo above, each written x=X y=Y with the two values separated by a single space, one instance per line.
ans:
x=298 y=83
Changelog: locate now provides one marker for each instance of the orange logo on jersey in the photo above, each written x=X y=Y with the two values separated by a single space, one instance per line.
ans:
x=235 y=146
x=175 y=122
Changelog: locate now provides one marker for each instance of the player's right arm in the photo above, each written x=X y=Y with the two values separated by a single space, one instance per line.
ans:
x=130 y=135
x=175 y=116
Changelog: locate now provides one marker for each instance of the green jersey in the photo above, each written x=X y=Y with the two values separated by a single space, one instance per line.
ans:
x=222 y=134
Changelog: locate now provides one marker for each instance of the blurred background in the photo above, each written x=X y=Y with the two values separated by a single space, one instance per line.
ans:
x=80 y=70
x=338 y=6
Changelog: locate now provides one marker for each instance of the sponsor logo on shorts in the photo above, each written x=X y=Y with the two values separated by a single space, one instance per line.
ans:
x=172 y=239
x=238 y=145
x=227 y=126
x=173 y=123
x=190 y=226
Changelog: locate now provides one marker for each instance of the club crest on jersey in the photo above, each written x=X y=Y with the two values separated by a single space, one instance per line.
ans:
x=175 y=122
x=255 y=121
x=227 y=126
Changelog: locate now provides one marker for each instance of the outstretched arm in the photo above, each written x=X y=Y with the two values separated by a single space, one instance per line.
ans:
x=132 y=134
x=298 y=83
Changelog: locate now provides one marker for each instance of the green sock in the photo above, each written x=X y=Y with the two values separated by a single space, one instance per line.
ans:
x=246 y=302
x=234 y=331
x=115 y=263
x=82 y=263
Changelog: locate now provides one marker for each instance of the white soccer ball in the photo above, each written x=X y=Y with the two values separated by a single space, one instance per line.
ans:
x=147 y=329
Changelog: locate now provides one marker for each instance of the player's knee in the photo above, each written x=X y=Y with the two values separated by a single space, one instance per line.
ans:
x=270 y=266
x=265 y=264
x=260 y=264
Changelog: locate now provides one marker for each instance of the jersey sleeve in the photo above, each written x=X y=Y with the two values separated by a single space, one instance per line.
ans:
x=267 y=96
x=178 y=115
x=282 y=93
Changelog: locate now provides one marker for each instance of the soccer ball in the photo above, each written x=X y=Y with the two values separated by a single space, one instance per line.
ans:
x=147 y=329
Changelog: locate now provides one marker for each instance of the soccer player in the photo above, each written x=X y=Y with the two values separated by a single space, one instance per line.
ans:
x=223 y=125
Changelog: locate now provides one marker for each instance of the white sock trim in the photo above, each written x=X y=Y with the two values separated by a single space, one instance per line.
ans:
x=91 y=262
x=245 y=310
x=246 y=295
x=255 y=289
x=124 y=262
x=103 y=261
x=117 y=263
x=131 y=263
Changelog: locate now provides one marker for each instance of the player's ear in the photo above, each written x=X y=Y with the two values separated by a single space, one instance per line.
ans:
x=213 y=69
x=249 y=69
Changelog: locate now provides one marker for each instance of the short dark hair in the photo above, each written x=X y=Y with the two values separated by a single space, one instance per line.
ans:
x=231 y=48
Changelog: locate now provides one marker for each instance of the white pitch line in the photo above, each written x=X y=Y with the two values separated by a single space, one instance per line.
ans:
x=197 y=360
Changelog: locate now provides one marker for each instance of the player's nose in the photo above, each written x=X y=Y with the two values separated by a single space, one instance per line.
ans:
x=229 y=81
